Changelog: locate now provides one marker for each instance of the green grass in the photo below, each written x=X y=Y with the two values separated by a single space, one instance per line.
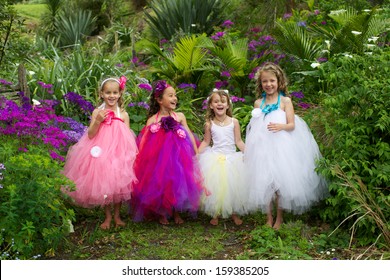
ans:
x=196 y=239
x=30 y=11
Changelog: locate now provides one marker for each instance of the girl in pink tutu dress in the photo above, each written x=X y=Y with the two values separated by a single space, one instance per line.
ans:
x=170 y=179
x=101 y=163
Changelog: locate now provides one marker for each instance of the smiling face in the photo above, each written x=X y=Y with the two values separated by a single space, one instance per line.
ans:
x=219 y=104
x=110 y=94
x=269 y=82
x=168 y=100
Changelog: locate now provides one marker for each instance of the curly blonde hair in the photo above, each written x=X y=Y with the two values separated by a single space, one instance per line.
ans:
x=279 y=74
x=222 y=93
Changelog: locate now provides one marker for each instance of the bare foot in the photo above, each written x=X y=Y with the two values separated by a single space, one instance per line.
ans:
x=236 y=220
x=214 y=221
x=106 y=224
x=119 y=222
x=270 y=221
x=178 y=219
x=163 y=220
x=277 y=224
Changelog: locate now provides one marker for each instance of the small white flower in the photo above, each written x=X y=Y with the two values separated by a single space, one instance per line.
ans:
x=373 y=39
x=327 y=252
x=36 y=102
x=348 y=55
x=105 y=196
x=315 y=65
x=370 y=46
x=327 y=42
x=193 y=25
x=368 y=53
x=333 y=249
x=31 y=73
x=366 y=10
x=356 y=32
x=96 y=151
x=71 y=228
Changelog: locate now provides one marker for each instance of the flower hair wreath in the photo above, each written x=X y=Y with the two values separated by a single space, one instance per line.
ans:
x=216 y=90
x=121 y=81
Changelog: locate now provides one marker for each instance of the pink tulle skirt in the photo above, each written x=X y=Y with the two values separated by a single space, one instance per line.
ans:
x=102 y=167
x=168 y=173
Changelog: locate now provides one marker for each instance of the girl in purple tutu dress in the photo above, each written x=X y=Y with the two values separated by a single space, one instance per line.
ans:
x=101 y=163
x=170 y=179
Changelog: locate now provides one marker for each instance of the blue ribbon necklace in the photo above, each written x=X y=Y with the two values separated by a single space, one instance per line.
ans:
x=270 y=107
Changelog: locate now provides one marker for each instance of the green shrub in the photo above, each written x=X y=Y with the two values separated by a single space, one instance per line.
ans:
x=33 y=216
x=354 y=124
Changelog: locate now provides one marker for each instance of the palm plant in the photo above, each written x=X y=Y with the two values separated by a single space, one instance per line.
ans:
x=170 y=17
x=352 y=30
x=296 y=41
x=233 y=57
x=187 y=63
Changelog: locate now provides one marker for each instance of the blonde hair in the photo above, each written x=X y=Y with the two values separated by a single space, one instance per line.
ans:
x=120 y=99
x=279 y=74
x=222 y=93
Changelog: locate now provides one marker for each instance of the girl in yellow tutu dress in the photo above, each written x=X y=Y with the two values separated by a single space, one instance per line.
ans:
x=221 y=164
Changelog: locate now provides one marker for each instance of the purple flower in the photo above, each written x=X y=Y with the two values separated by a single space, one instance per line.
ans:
x=323 y=22
x=187 y=87
x=297 y=94
x=304 y=105
x=322 y=59
x=4 y=82
x=56 y=156
x=225 y=74
x=145 y=86
x=221 y=84
x=160 y=87
x=301 y=23
x=169 y=123
x=287 y=16
x=227 y=23
x=235 y=99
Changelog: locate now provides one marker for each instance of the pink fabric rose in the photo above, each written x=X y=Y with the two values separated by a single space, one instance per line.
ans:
x=181 y=133
x=155 y=127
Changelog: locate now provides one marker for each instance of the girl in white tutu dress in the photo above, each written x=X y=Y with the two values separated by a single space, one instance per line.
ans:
x=281 y=152
x=221 y=164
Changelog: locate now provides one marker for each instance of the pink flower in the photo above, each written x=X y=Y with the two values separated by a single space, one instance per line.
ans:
x=155 y=127
x=108 y=119
x=181 y=133
x=122 y=82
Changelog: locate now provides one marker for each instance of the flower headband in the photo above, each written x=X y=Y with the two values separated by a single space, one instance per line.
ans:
x=160 y=87
x=217 y=90
x=122 y=82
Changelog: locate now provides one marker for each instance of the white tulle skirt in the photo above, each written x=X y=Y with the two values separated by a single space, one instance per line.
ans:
x=224 y=180
x=281 y=163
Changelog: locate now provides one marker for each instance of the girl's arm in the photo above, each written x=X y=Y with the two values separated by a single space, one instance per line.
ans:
x=237 y=136
x=98 y=116
x=257 y=103
x=206 y=138
x=288 y=107
x=183 y=122
x=126 y=118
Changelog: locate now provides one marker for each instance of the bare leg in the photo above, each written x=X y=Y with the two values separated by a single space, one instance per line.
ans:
x=177 y=218
x=279 y=216
x=236 y=219
x=270 y=219
x=214 y=221
x=107 y=222
x=117 y=217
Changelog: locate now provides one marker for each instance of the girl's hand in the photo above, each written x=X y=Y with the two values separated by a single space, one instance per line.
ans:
x=275 y=127
x=101 y=115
